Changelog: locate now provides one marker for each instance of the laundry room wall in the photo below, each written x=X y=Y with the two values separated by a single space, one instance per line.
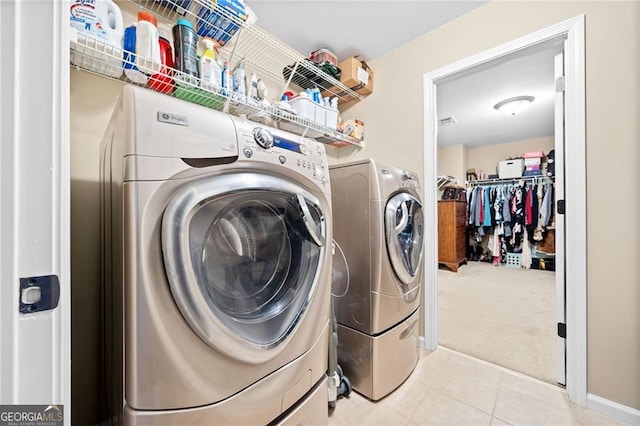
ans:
x=394 y=118
x=486 y=158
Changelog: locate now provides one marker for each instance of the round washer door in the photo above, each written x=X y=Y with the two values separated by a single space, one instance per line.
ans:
x=242 y=255
x=404 y=228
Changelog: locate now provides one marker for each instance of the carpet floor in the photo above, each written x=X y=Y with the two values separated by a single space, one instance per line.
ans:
x=506 y=316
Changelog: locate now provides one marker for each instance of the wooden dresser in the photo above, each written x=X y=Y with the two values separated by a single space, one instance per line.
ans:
x=452 y=243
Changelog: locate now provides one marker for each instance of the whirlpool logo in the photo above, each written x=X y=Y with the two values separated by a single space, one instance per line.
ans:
x=31 y=415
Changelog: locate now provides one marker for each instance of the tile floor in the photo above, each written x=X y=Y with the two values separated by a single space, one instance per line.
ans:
x=449 y=388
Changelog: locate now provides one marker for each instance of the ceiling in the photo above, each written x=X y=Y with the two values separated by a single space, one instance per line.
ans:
x=372 y=28
x=471 y=97
x=350 y=28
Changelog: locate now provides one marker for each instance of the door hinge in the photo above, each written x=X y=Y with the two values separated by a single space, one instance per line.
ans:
x=562 y=330
x=560 y=207
x=560 y=84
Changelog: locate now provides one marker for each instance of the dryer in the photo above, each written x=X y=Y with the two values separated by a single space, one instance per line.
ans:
x=216 y=287
x=378 y=223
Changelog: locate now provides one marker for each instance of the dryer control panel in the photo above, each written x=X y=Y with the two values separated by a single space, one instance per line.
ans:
x=266 y=144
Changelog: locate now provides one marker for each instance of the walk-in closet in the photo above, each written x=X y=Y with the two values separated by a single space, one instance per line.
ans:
x=497 y=296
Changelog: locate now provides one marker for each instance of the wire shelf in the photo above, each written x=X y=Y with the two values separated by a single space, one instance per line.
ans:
x=247 y=42
x=92 y=55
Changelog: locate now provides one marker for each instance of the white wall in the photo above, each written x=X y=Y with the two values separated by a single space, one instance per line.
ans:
x=452 y=161
x=394 y=118
x=486 y=158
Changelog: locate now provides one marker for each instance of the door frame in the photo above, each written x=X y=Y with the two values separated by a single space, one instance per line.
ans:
x=35 y=355
x=573 y=30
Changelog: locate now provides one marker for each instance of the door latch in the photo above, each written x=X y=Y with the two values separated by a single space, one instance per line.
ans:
x=39 y=293
x=562 y=330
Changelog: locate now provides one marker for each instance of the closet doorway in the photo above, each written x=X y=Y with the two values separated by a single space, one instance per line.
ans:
x=570 y=36
x=497 y=271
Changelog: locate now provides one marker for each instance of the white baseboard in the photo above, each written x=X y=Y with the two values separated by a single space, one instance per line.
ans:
x=613 y=409
x=421 y=342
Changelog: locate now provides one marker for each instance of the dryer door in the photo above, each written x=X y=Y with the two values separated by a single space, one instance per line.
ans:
x=404 y=228
x=242 y=254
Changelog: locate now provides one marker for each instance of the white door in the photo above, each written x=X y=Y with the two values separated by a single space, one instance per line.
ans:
x=35 y=302
x=559 y=218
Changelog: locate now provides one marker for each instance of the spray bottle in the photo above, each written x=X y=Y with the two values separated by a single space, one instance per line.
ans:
x=210 y=72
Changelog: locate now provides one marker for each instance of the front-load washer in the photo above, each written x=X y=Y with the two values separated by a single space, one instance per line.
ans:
x=378 y=223
x=216 y=272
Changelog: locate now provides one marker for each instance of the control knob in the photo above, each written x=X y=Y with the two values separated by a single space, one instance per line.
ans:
x=263 y=137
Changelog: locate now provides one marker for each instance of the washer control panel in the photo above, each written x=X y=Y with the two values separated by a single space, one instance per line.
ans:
x=305 y=156
x=263 y=137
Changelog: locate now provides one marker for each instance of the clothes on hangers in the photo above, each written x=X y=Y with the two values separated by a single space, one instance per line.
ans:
x=511 y=215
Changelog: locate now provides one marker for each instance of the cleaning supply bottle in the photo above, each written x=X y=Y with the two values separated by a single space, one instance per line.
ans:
x=131 y=70
x=185 y=47
x=163 y=80
x=210 y=72
x=253 y=87
x=147 y=43
x=226 y=80
x=239 y=81
x=97 y=23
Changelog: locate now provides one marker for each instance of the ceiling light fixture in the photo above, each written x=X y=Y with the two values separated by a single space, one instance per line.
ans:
x=513 y=106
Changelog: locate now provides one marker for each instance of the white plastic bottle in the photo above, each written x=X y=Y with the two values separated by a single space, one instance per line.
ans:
x=226 y=80
x=210 y=72
x=239 y=81
x=99 y=24
x=148 y=44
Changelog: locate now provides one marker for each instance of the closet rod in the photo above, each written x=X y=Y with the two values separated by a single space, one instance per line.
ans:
x=540 y=178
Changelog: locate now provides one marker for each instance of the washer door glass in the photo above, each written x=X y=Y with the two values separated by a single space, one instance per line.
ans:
x=404 y=228
x=242 y=256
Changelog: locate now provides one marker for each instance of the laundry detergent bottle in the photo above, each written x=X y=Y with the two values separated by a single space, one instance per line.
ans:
x=147 y=43
x=185 y=47
x=142 y=49
x=163 y=81
x=99 y=24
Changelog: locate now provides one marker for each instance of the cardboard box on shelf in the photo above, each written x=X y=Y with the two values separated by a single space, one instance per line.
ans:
x=356 y=75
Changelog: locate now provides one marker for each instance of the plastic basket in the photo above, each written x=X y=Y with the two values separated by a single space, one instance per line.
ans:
x=513 y=260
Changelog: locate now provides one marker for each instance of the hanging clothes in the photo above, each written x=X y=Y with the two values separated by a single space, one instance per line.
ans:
x=506 y=210
x=509 y=218
x=547 y=207
x=528 y=206
x=486 y=221
x=525 y=258
x=517 y=211
x=537 y=233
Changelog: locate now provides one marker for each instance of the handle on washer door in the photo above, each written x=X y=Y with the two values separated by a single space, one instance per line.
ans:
x=308 y=221
x=403 y=220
